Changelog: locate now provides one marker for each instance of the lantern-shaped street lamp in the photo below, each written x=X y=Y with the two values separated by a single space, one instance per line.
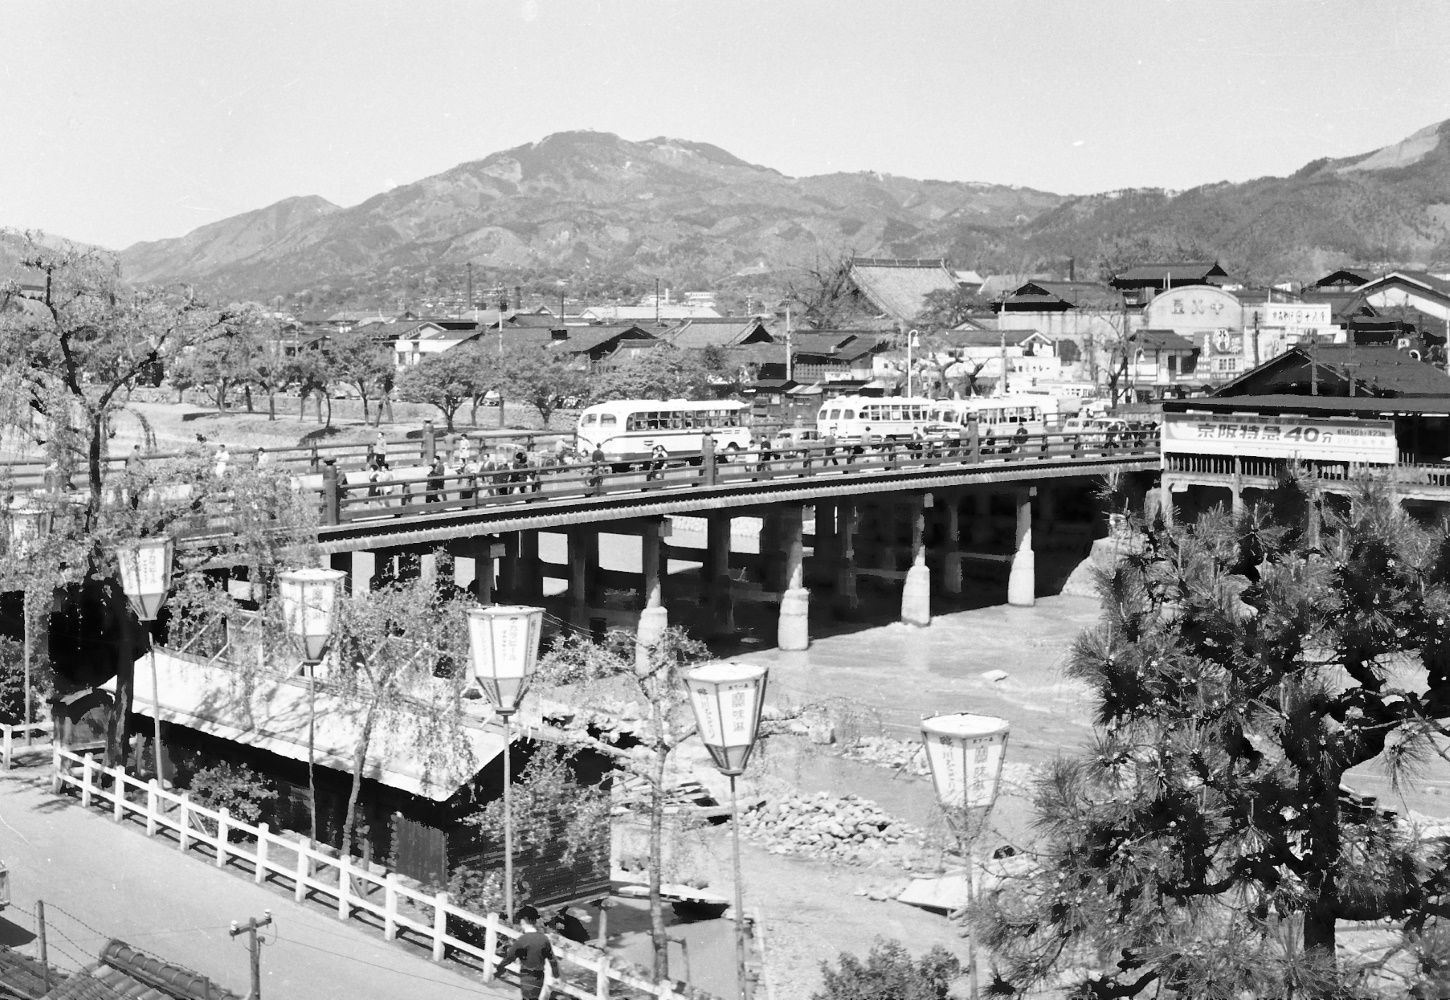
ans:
x=309 y=606
x=966 y=753
x=503 y=643
x=28 y=523
x=727 y=699
x=145 y=570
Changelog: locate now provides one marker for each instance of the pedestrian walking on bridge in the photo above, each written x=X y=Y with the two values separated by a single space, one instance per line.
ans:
x=533 y=950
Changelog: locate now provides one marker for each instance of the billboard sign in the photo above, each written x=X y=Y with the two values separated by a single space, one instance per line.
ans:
x=1327 y=439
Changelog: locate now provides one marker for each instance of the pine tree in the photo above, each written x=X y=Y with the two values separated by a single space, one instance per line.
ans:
x=1204 y=845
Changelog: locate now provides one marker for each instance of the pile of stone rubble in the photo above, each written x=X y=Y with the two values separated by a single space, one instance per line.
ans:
x=851 y=829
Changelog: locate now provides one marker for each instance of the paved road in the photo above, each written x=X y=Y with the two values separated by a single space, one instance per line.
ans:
x=99 y=881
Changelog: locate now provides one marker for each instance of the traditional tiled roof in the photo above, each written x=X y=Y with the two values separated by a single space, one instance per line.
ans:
x=1053 y=295
x=1430 y=282
x=582 y=339
x=1374 y=371
x=1347 y=276
x=126 y=973
x=1163 y=340
x=1181 y=272
x=723 y=331
x=899 y=287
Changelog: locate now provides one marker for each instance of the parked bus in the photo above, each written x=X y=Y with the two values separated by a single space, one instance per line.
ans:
x=999 y=418
x=884 y=418
x=626 y=430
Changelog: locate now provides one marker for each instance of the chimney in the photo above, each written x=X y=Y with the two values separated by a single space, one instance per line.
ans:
x=518 y=296
x=1072 y=269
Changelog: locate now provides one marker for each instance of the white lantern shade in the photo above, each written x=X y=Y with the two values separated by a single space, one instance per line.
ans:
x=965 y=753
x=145 y=569
x=309 y=602
x=29 y=522
x=727 y=699
x=503 y=644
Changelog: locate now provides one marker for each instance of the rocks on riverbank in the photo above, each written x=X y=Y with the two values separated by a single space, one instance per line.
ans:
x=850 y=829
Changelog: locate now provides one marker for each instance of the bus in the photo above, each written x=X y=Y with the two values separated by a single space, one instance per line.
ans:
x=884 y=418
x=626 y=430
x=996 y=416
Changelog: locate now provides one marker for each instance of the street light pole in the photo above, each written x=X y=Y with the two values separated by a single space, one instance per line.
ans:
x=727 y=699
x=145 y=571
x=910 y=366
x=309 y=603
x=503 y=645
x=965 y=753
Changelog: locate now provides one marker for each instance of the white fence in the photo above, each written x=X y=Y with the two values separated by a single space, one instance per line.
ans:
x=381 y=900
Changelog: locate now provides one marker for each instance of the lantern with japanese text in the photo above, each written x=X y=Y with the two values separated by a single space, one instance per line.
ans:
x=145 y=569
x=965 y=753
x=309 y=601
x=727 y=699
x=503 y=644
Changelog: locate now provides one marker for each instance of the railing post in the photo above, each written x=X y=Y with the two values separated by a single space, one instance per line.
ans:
x=223 y=831
x=601 y=979
x=118 y=793
x=428 y=441
x=264 y=837
x=331 y=497
x=490 y=943
x=440 y=926
x=151 y=808
x=183 y=824
x=55 y=762
x=344 y=884
x=86 y=781
x=9 y=737
x=303 y=872
x=312 y=459
x=390 y=907
x=708 y=465
x=974 y=442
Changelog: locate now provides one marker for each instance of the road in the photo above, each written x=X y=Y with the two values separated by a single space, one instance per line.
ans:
x=99 y=882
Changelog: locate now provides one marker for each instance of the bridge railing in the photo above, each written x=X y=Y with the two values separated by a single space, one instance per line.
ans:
x=346 y=497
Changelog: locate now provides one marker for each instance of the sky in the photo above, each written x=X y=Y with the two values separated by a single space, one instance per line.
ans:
x=122 y=122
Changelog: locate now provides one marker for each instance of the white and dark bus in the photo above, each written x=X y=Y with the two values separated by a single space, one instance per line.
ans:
x=882 y=418
x=626 y=430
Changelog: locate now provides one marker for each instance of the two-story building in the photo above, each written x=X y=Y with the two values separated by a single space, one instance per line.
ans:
x=1336 y=412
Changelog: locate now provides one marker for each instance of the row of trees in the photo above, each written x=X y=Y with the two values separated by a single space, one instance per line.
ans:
x=71 y=357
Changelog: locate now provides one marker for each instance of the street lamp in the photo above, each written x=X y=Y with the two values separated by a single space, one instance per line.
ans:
x=910 y=346
x=309 y=605
x=29 y=522
x=727 y=698
x=145 y=569
x=965 y=753
x=503 y=644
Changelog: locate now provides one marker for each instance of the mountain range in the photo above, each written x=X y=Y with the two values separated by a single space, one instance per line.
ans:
x=605 y=213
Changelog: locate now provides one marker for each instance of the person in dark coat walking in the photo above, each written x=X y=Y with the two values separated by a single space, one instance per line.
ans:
x=532 y=949
x=435 y=481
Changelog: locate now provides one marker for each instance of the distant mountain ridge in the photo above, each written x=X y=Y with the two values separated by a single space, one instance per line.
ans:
x=586 y=206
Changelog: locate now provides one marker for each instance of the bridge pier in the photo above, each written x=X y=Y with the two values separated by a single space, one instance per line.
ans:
x=483 y=554
x=916 y=590
x=584 y=595
x=1022 y=580
x=848 y=519
x=981 y=518
x=345 y=562
x=715 y=573
x=951 y=544
x=654 y=619
x=793 y=630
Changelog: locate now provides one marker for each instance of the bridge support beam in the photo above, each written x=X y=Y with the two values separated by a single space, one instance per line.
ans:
x=916 y=592
x=654 y=619
x=716 y=573
x=848 y=518
x=793 y=630
x=824 y=543
x=344 y=561
x=951 y=545
x=1022 y=581
x=483 y=554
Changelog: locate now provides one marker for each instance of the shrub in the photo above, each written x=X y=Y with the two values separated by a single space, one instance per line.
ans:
x=890 y=973
x=242 y=792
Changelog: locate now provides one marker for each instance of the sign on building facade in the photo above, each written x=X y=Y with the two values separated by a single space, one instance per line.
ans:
x=1329 y=439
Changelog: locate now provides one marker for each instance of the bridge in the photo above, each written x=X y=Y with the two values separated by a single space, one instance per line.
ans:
x=823 y=519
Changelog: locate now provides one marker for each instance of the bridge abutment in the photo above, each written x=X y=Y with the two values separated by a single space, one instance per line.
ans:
x=715 y=573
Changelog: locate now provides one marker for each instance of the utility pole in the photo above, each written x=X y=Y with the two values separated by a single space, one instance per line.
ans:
x=790 y=361
x=471 y=306
x=255 y=944
x=40 y=934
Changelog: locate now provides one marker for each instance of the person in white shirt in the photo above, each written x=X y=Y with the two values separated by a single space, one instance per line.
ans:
x=223 y=460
